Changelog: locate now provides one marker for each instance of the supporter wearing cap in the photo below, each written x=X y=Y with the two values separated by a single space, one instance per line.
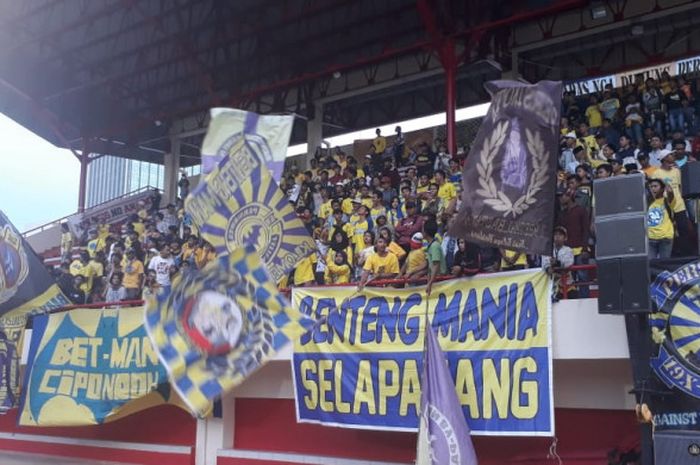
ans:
x=567 y=153
x=416 y=264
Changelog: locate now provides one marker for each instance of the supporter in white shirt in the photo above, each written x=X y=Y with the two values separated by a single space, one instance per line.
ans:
x=161 y=265
x=562 y=255
x=678 y=135
x=656 y=152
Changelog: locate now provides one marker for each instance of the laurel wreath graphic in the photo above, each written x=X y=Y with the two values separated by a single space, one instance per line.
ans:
x=496 y=199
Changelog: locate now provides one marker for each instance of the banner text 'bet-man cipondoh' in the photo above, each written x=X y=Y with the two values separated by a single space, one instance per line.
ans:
x=361 y=365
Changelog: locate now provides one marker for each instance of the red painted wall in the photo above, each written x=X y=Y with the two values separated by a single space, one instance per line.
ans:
x=164 y=424
x=584 y=437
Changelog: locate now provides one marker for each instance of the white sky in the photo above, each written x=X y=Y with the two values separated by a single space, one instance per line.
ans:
x=38 y=181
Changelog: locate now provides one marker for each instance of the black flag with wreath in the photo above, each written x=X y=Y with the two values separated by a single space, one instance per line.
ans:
x=509 y=178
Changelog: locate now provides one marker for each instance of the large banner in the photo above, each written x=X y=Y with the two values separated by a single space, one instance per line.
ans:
x=115 y=211
x=89 y=366
x=239 y=204
x=361 y=365
x=675 y=334
x=230 y=127
x=509 y=175
x=25 y=288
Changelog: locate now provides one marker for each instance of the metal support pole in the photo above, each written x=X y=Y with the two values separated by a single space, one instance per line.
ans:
x=82 y=188
x=639 y=344
x=449 y=62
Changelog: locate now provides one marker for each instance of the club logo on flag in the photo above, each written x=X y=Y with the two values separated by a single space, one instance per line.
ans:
x=676 y=328
x=215 y=327
x=446 y=443
x=257 y=225
x=13 y=263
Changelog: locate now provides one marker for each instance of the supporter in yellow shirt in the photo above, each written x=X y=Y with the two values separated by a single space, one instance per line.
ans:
x=423 y=185
x=102 y=231
x=392 y=246
x=95 y=244
x=304 y=271
x=593 y=115
x=359 y=228
x=81 y=267
x=339 y=242
x=660 y=226
x=379 y=142
x=66 y=243
x=446 y=191
x=189 y=248
x=416 y=264
x=512 y=260
x=204 y=255
x=377 y=208
x=671 y=176
x=379 y=265
x=133 y=275
x=326 y=208
x=338 y=270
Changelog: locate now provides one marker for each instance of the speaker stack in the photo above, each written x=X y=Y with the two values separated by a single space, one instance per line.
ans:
x=621 y=244
x=690 y=180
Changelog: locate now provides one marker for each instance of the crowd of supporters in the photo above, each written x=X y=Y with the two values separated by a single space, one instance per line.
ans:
x=134 y=259
x=385 y=214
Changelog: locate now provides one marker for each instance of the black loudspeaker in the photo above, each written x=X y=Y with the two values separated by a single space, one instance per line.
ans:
x=623 y=285
x=677 y=448
x=620 y=194
x=621 y=236
x=609 y=289
x=690 y=180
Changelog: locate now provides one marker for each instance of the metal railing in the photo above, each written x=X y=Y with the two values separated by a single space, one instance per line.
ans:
x=565 y=285
x=57 y=222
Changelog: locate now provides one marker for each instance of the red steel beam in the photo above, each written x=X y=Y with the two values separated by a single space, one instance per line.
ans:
x=558 y=7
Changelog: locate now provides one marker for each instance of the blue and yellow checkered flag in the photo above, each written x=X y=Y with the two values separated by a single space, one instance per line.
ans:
x=217 y=326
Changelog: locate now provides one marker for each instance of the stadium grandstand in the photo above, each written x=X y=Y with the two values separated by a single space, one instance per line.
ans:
x=387 y=99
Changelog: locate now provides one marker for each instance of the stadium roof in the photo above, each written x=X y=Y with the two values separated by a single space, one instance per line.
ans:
x=122 y=75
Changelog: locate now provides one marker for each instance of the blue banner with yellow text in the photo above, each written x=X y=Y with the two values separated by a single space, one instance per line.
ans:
x=88 y=366
x=360 y=367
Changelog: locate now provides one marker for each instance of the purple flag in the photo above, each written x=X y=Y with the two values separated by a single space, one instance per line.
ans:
x=443 y=438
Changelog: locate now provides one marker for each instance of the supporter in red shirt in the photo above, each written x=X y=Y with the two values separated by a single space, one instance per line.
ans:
x=408 y=226
x=576 y=221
